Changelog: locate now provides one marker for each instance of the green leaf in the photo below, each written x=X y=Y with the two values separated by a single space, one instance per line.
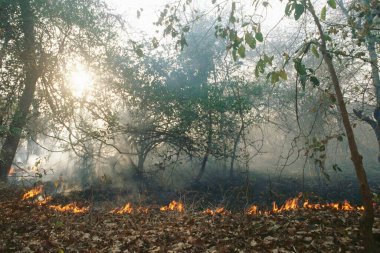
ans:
x=315 y=52
x=139 y=52
x=233 y=35
x=289 y=8
x=300 y=67
x=275 y=77
x=315 y=81
x=299 y=9
x=186 y=29
x=282 y=74
x=332 y=3
x=183 y=42
x=250 y=40
x=303 y=79
x=260 y=67
x=257 y=73
x=241 y=51
x=268 y=59
x=259 y=36
x=359 y=54
x=323 y=13
x=234 y=55
x=327 y=37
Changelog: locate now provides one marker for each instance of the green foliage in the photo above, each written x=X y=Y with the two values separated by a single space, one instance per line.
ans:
x=250 y=40
x=315 y=81
x=262 y=63
x=332 y=3
x=315 y=52
x=294 y=6
x=259 y=37
x=241 y=51
x=323 y=13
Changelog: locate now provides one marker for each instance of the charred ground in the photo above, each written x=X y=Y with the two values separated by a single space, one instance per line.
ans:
x=27 y=226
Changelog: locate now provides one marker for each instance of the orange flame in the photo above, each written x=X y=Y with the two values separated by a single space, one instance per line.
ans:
x=33 y=192
x=290 y=204
x=293 y=204
x=126 y=209
x=72 y=207
x=173 y=206
x=219 y=210
x=347 y=207
x=253 y=210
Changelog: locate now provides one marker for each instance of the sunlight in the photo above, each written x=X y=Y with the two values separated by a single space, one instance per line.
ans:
x=80 y=81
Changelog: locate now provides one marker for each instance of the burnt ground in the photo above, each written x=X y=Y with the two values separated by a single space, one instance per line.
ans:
x=28 y=227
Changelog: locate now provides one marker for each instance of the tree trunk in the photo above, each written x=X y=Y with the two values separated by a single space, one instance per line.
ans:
x=237 y=139
x=367 y=219
x=18 y=122
x=208 y=150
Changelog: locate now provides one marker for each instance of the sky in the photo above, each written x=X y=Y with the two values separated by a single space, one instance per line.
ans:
x=128 y=9
x=151 y=10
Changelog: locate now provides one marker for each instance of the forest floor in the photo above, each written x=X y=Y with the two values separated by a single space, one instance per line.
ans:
x=26 y=226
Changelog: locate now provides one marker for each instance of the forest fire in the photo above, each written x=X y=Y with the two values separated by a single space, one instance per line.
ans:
x=33 y=192
x=293 y=204
x=123 y=210
x=72 y=207
x=219 y=210
x=173 y=206
x=253 y=210
x=128 y=209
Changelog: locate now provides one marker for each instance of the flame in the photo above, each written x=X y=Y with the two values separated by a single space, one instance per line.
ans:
x=290 y=204
x=307 y=205
x=347 y=207
x=33 y=192
x=219 y=210
x=126 y=209
x=253 y=210
x=173 y=206
x=72 y=207
x=293 y=204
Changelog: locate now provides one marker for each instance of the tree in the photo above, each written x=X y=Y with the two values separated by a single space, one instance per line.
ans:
x=249 y=33
x=54 y=35
x=368 y=215
x=32 y=74
x=363 y=21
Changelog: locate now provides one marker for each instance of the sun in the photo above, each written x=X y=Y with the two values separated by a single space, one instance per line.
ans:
x=81 y=81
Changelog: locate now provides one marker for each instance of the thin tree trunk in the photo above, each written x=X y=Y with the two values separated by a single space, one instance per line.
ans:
x=367 y=219
x=237 y=139
x=9 y=148
x=208 y=150
x=236 y=143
